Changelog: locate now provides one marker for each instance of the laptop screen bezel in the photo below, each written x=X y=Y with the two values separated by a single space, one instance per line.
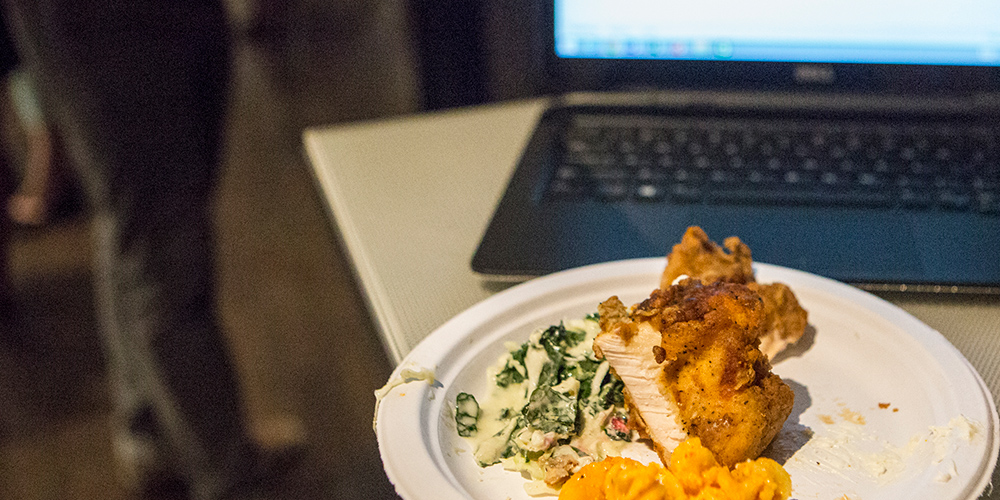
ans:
x=583 y=74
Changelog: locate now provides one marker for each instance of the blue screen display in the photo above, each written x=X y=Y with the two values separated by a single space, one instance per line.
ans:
x=956 y=32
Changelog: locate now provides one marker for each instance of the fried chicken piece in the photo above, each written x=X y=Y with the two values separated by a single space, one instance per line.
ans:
x=689 y=358
x=784 y=319
x=698 y=257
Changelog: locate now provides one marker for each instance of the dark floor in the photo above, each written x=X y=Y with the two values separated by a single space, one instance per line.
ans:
x=297 y=326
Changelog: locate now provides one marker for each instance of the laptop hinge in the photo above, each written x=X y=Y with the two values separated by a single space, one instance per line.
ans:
x=750 y=101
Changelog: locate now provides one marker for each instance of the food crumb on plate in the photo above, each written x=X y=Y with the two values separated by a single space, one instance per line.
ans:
x=855 y=454
x=852 y=416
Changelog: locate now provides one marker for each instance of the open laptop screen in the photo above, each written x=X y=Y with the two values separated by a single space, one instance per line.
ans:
x=958 y=32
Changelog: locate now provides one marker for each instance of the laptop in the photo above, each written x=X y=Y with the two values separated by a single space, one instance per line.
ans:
x=852 y=139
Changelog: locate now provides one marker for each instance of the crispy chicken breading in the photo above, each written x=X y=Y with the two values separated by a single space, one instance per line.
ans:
x=696 y=256
x=691 y=365
x=784 y=320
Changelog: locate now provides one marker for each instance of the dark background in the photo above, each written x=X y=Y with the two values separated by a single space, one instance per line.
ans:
x=299 y=331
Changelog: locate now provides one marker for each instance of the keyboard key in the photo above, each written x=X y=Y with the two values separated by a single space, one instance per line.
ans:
x=649 y=192
x=666 y=161
x=685 y=193
x=761 y=177
x=683 y=175
x=799 y=178
x=953 y=200
x=613 y=173
x=871 y=180
x=721 y=176
x=611 y=190
x=566 y=190
x=650 y=174
x=568 y=172
x=833 y=179
x=910 y=198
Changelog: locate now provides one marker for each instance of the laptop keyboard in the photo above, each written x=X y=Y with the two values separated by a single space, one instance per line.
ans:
x=631 y=159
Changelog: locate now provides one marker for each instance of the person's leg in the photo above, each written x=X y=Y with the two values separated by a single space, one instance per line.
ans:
x=137 y=91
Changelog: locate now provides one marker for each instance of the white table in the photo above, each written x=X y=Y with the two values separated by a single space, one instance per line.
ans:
x=410 y=198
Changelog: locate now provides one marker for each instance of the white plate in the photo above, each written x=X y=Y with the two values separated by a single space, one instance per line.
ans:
x=861 y=352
